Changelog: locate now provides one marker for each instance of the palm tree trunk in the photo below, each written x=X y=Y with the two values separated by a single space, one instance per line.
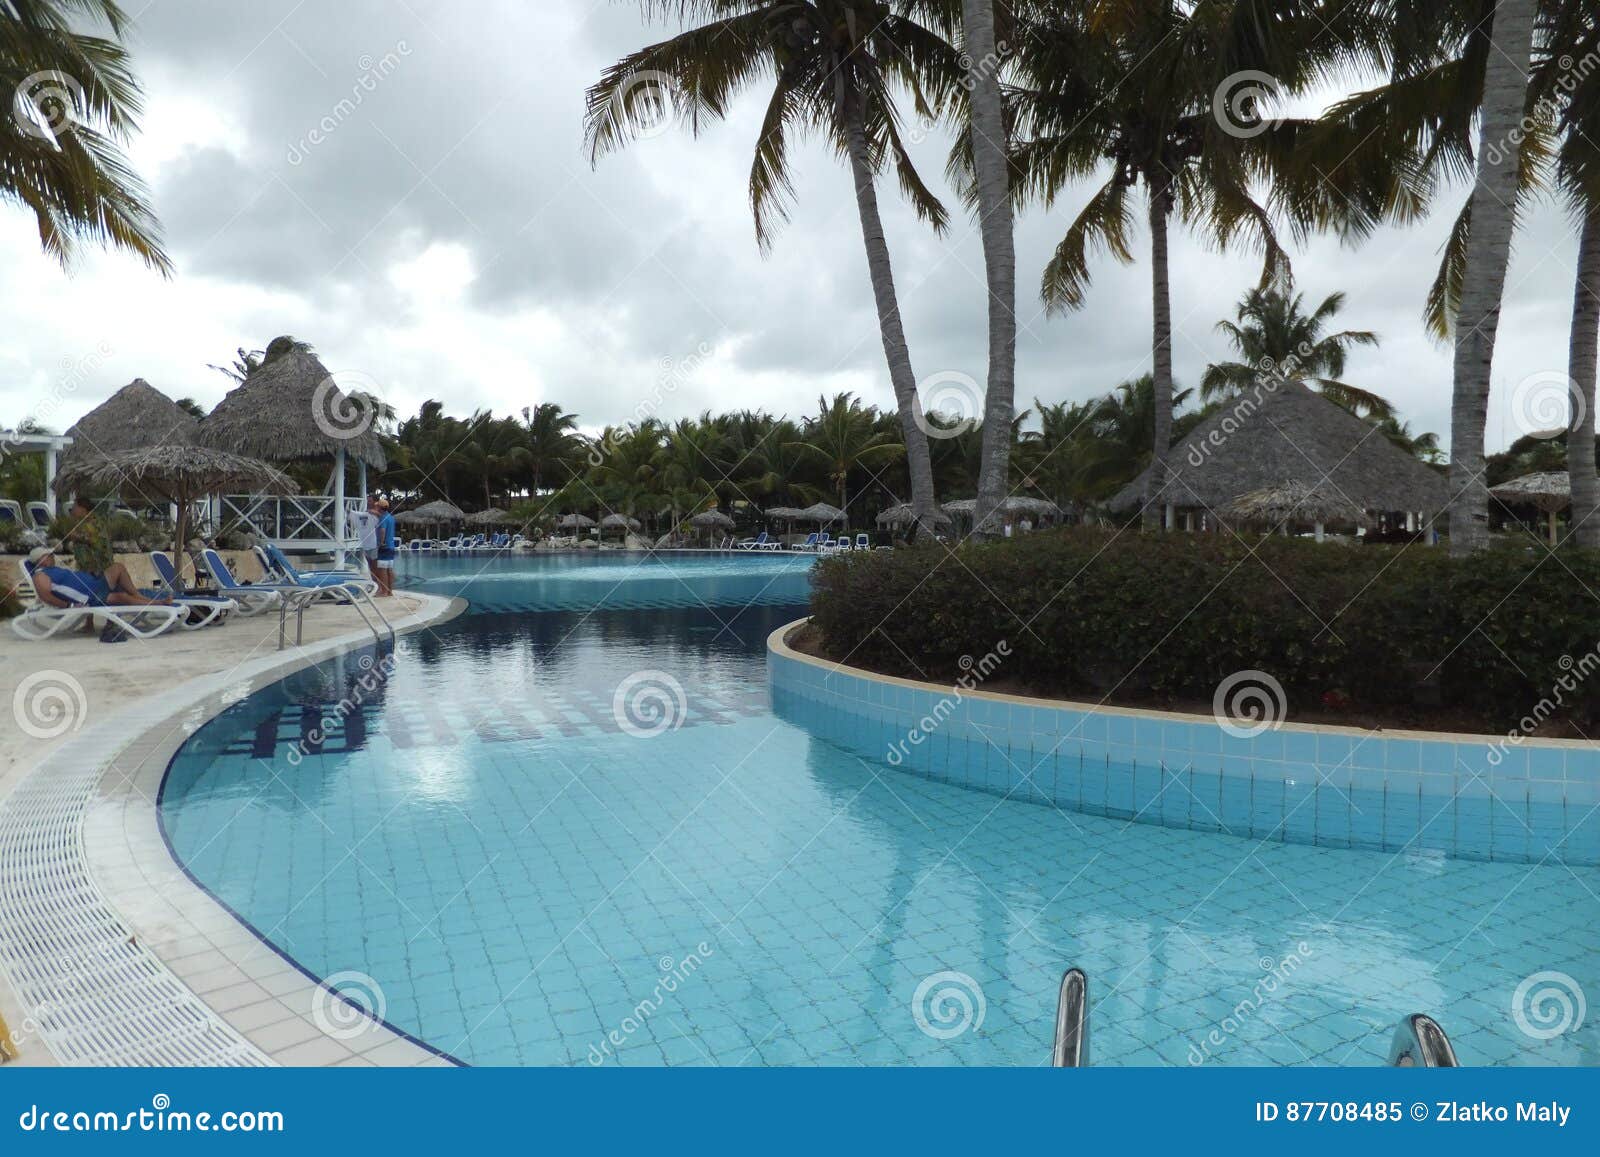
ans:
x=993 y=179
x=919 y=463
x=1488 y=250
x=1581 y=368
x=1161 y=351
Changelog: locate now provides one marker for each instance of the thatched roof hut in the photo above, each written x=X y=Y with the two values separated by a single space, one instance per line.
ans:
x=290 y=409
x=136 y=417
x=1287 y=435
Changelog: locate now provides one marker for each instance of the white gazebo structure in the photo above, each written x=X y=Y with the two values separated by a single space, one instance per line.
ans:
x=50 y=445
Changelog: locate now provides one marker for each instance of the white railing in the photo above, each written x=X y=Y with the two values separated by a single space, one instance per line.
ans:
x=300 y=520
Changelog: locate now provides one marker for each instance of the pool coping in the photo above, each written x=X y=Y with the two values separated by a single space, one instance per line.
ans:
x=158 y=971
x=778 y=643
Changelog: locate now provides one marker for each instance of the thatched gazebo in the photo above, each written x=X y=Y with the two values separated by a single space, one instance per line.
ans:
x=290 y=409
x=176 y=472
x=1549 y=492
x=136 y=417
x=1289 y=435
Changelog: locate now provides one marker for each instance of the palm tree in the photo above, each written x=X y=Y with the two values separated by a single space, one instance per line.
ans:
x=836 y=65
x=76 y=103
x=843 y=439
x=1505 y=89
x=991 y=182
x=551 y=440
x=1139 y=85
x=1423 y=446
x=1275 y=338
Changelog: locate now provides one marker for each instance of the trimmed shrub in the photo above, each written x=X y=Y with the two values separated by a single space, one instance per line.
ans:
x=1406 y=634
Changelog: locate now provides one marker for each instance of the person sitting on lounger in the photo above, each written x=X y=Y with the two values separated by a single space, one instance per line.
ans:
x=57 y=586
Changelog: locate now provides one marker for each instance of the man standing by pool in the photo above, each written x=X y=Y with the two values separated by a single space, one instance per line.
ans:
x=388 y=549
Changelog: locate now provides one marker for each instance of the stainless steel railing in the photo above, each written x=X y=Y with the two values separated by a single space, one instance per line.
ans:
x=1071 y=1049
x=1420 y=1043
x=297 y=601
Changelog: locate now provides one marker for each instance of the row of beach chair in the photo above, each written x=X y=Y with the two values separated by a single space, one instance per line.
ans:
x=464 y=542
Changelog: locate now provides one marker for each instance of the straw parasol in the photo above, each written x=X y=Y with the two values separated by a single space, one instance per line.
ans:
x=787 y=513
x=413 y=518
x=290 y=409
x=176 y=472
x=135 y=417
x=1296 y=502
x=820 y=512
x=712 y=520
x=904 y=515
x=439 y=511
x=618 y=522
x=491 y=517
x=574 y=522
x=1549 y=491
x=1289 y=434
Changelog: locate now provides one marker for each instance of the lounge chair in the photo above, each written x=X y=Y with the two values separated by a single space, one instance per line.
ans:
x=759 y=542
x=41 y=620
x=244 y=600
x=863 y=542
x=39 y=515
x=810 y=543
x=234 y=589
x=276 y=563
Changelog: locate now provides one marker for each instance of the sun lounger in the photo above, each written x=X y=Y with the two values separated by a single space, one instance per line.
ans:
x=276 y=563
x=257 y=592
x=217 y=607
x=41 y=620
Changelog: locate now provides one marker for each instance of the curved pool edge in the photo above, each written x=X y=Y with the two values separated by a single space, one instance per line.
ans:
x=1463 y=796
x=117 y=954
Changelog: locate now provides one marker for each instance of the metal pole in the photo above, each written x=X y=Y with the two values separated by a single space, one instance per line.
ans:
x=338 y=509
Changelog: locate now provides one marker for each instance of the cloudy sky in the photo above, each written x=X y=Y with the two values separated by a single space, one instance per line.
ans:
x=447 y=238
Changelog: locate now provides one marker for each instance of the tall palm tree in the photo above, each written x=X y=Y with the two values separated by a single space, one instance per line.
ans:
x=551 y=440
x=1142 y=86
x=73 y=102
x=1505 y=89
x=991 y=182
x=836 y=66
x=843 y=439
x=1274 y=337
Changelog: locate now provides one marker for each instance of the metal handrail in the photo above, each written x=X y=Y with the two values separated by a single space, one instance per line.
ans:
x=299 y=600
x=1071 y=1049
x=1420 y=1043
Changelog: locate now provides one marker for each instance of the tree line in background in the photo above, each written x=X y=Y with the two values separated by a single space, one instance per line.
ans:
x=1164 y=106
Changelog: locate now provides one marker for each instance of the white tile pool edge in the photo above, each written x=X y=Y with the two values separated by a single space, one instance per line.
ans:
x=1299 y=762
x=114 y=953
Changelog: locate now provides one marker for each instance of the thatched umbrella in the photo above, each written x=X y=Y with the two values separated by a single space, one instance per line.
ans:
x=177 y=473
x=494 y=516
x=1296 y=502
x=574 y=522
x=1288 y=434
x=787 y=513
x=440 y=511
x=712 y=520
x=618 y=522
x=821 y=512
x=904 y=515
x=1550 y=492
x=135 y=417
x=414 y=518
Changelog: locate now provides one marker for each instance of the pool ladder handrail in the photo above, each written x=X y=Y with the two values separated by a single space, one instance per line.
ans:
x=298 y=600
x=1420 y=1043
x=1071 y=1050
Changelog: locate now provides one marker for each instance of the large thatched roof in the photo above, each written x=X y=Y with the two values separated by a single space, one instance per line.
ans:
x=136 y=417
x=175 y=471
x=1294 y=502
x=1289 y=435
x=289 y=409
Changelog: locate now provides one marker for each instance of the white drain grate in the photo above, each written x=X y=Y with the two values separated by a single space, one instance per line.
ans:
x=93 y=994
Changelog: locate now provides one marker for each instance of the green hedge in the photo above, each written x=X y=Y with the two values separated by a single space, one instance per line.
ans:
x=1406 y=634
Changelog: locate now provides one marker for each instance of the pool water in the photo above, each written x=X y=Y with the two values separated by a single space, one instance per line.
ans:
x=569 y=828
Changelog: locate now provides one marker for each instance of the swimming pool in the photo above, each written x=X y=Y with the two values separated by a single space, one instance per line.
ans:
x=569 y=827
